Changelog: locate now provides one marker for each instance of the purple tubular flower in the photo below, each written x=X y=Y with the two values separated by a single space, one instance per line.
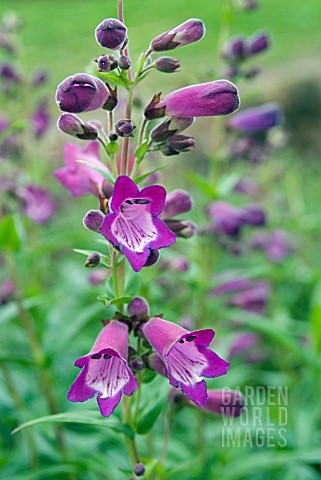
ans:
x=186 y=356
x=225 y=218
x=76 y=177
x=37 y=203
x=276 y=244
x=235 y=49
x=205 y=99
x=253 y=299
x=133 y=223
x=105 y=370
x=73 y=125
x=188 y=32
x=178 y=201
x=111 y=33
x=40 y=119
x=167 y=64
x=247 y=347
x=253 y=215
x=257 y=119
x=81 y=93
x=229 y=403
x=259 y=43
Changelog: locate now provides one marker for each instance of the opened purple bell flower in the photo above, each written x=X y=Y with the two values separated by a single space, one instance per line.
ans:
x=133 y=224
x=77 y=177
x=186 y=356
x=105 y=370
x=81 y=93
x=37 y=203
x=257 y=119
x=205 y=99
x=188 y=32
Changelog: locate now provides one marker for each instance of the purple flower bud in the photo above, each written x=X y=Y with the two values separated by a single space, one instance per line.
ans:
x=40 y=119
x=8 y=72
x=99 y=276
x=124 y=128
x=229 y=403
x=139 y=469
x=276 y=245
x=257 y=119
x=181 y=143
x=7 y=291
x=152 y=110
x=124 y=62
x=81 y=93
x=177 y=202
x=138 y=308
x=225 y=218
x=39 y=78
x=206 y=99
x=156 y=363
x=235 y=49
x=188 y=32
x=106 y=63
x=93 y=260
x=252 y=72
x=73 y=125
x=167 y=64
x=247 y=186
x=93 y=220
x=111 y=33
x=230 y=71
x=182 y=228
x=250 y=5
x=253 y=215
x=136 y=363
x=258 y=43
x=253 y=299
x=179 y=264
x=181 y=123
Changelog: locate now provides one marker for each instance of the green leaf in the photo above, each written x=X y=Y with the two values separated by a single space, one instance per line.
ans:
x=112 y=148
x=142 y=177
x=9 y=237
x=115 y=300
x=315 y=317
x=203 y=185
x=86 y=417
x=9 y=357
x=104 y=173
x=140 y=151
x=155 y=396
x=140 y=63
x=114 y=78
x=227 y=182
x=133 y=283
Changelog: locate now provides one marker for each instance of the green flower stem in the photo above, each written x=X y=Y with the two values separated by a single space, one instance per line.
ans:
x=168 y=424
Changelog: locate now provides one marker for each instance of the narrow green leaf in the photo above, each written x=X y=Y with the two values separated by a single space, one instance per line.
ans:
x=114 y=78
x=104 y=173
x=86 y=417
x=315 y=317
x=140 y=63
x=227 y=182
x=203 y=185
x=9 y=237
x=116 y=300
x=140 y=151
x=142 y=177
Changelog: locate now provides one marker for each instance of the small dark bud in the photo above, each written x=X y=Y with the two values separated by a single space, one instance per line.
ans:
x=235 y=49
x=181 y=143
x=111 y=33
x=139 y=469
x=124 y=62
x=253 y=215
x=9 y=73
x=188 y=32
x=136 y=363
x=106 y=189
x=138 y=308
x=162 y=131
x=112 y=101
x=258 y=43
x=93 y=260
x=113 y=137
x=93 y=220
x=177 y=202
x=155 y=362
x=151 y=112
x=182 y=228
x=168 y=151
x=167 y=64
x=125 y=128
x=73 y=125
x=181 y=123
x=106 y=63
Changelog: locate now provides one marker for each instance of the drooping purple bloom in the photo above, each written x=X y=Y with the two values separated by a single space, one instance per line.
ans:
x=257 y=119
x=37 y=203
x=252 y=299
x=205 y=99
x=186 y=356
x=248 y=347
x=81 y=93
x=276 y=244
x=105 y=370
x=77 y=177
x=133 y=223
x=188 y=32
x=40 y=119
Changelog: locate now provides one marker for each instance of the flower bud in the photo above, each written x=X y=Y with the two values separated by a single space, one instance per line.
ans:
x=182 y=228
x=188 y=32
x=124 y=62
x=156 y=363
x=250 y=5
x=106 y=63
x=81 y=93
x=136 y=363
x=138 y=308
x=253 y=299
x=9 y=73
x=253 y=215
x=125 y=128
x=252 y=72
x=235 y=49
x=152 y=258
x=181 y=143
x=225 y=218
x=93 y=260
x=178 y=264
x=93 y=220
x=258 y=43
x=230 y=71
x=177 y=202
x=206 y=99
x=106 y=189
x=257 y=119
x=152 y=111
x=170 y=127
x=73 y=125
x=111 y=33
x=167 y=64
x=39 y=78
x=139 y=469
x=181 y=123
x=229 y=403
x=112 y=100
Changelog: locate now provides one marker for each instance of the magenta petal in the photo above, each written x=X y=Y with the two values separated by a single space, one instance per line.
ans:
x=124 y=188
x=216 y=365
x=71 y=153
x=136 y=260
x=131 y=385
x=203 y=337
x=108 y=405
x=92 y=149
x=105 y=228
x=165 y=237
x=157 y=195
x=196 y=392
x=79 y=391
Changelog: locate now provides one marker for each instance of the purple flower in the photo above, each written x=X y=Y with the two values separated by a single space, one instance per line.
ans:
x=178 y=201
x=205 y=99
x=4 y=122
x=7 y=291
x=257 y=119
x=235 y=49
x=37 y=203
x=40 y=119
x=188 y=32
x=252 y=299
x=133 y=223
x=81 y=93
x=248 y=347
x=77 y=177
x=9 y=73
x=258 y=43
x=276 y=244
x=111 y=33
x=225 y=218
x=105 y=370
x=229 y=403
x=186 y=356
